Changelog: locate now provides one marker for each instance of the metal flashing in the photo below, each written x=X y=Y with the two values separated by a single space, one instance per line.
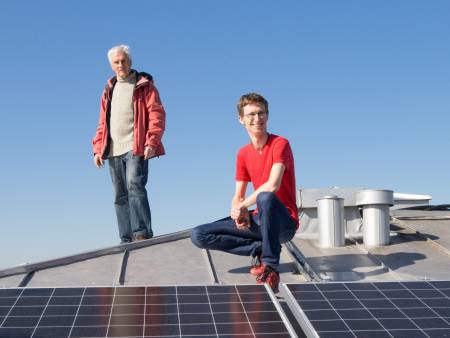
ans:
x=94 y=253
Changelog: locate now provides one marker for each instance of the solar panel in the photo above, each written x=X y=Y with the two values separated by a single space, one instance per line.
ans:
x=379 y=309
x=164 y=311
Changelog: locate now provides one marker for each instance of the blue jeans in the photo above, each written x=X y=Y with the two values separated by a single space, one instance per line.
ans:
x=269 y=228
x=129 y=176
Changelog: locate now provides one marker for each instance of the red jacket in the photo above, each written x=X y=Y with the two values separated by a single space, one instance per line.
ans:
x=149 y=117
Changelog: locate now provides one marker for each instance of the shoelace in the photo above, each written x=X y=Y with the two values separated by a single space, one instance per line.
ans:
x=263 y=277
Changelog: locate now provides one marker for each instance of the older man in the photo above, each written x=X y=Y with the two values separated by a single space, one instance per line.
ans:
x=129 y=132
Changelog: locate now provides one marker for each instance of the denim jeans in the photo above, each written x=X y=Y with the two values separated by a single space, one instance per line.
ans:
x=269 y=228
x=129 y=176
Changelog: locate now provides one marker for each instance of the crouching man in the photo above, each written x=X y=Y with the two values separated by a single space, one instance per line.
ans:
x=268 y=163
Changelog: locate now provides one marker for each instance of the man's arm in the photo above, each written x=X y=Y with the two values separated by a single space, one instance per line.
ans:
x=156 y=121
x=97 y=140
x=272 y=185
x=239 y=194
x=240 y=215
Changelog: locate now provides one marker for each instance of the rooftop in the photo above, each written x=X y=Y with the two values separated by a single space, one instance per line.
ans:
x=419 y=250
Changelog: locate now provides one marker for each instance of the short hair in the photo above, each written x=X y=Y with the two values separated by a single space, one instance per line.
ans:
x=119 y=49
x=251 y=98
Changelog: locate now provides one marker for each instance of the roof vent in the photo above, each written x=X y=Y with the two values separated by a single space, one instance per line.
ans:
x=375 y=204
x=330 y=211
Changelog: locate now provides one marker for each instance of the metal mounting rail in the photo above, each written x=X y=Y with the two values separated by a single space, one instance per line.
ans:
x=123 y=268
x=301 y=263
x=213 y=271
x=26 y=279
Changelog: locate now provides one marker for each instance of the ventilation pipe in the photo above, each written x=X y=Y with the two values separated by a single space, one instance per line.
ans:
x=330 y=210
x=375 y=204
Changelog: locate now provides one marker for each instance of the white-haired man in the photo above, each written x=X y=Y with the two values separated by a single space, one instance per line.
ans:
x=129 y=132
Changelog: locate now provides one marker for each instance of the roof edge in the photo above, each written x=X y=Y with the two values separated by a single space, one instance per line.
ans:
x=32 y=267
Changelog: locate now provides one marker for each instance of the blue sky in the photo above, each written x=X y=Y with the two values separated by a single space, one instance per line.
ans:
x=360 y=88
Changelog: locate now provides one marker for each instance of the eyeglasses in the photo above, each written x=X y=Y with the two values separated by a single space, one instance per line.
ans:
x=251 y=116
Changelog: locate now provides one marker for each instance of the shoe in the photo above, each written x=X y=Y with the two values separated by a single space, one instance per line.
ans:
x=140 y=238
x=269 y=276
x=257 y=267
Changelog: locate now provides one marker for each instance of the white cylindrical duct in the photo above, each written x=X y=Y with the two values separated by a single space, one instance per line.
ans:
x=375 y=204
x=376 y=227
x=330 y=210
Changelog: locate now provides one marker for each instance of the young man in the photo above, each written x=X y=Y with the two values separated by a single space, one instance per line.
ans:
x=129 y=132
x=267 y=162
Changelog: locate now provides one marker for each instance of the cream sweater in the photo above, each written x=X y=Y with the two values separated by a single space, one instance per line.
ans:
x=122 y=116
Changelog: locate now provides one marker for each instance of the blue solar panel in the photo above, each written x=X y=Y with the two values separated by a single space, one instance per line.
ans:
x=380 y=309
x=166 y=311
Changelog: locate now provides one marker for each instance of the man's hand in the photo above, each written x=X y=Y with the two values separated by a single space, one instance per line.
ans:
x=240 y=215
x=98 y=161
x=243 y=222
x=148 y=152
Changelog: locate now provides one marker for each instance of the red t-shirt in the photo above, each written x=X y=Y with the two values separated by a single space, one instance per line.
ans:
x=253 y=166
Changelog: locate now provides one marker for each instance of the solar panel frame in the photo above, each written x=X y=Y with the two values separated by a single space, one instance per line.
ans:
x=143 y=311
x=401 y=308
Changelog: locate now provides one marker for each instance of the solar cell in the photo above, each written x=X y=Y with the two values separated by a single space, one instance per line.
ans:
x=166 y=311
x=377 y=309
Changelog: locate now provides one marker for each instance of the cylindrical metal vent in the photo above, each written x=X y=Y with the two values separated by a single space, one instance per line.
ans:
x=330 y=210
x=375 y=204
x=376 y=228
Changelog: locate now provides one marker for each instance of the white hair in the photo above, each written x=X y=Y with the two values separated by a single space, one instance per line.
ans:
x=119 y=49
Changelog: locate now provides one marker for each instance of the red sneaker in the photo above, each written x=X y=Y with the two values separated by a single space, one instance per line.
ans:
x=269 y=276
x=257 y=267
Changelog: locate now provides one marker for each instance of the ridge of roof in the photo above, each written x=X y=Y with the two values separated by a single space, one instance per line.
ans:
x=27 y=268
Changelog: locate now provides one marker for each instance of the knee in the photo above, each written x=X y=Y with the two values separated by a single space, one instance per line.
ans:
x=135 y=184
x=121 y=199
x=198 y=237
x=265 y=199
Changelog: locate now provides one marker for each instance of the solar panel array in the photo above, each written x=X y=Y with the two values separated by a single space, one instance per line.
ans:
x=166 y=311
x=381 y=309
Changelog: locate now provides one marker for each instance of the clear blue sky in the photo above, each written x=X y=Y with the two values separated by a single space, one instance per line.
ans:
x=360 y=88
